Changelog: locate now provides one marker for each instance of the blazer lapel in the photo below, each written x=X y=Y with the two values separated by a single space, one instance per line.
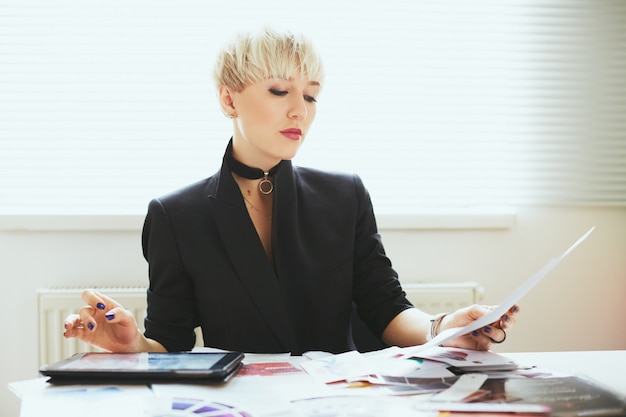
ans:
x=248 y=257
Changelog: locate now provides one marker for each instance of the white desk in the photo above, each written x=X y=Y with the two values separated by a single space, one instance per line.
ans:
x=270 y=396
x=606 y=367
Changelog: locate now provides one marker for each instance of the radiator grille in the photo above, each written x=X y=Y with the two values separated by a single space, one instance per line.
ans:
x=440 y=297
x=55 y=304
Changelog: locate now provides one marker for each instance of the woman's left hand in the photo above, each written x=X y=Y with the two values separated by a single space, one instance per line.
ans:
x=483 y=338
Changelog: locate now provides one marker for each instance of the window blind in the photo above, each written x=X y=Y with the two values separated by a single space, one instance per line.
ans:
x=454 y=103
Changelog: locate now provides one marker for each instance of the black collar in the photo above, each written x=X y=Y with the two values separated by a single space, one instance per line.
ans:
x=244 y=170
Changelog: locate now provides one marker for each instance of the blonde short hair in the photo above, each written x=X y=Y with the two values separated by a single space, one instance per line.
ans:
x=268 y=54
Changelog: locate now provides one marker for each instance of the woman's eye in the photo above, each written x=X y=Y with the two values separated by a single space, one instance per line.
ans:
x=279 y=93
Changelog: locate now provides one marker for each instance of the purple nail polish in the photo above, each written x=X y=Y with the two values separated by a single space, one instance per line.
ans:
x=100 y=306
x=474 y=333
x=90 y=326
x=110 y=316
x=487 y=329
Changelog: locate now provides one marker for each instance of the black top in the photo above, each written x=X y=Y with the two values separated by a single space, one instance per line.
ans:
x=208 y=267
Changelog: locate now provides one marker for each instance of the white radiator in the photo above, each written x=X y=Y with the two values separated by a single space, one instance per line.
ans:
x=55 y=304
x=441 y=297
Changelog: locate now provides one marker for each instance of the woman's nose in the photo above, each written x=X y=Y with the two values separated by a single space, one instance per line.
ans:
x=299 y=109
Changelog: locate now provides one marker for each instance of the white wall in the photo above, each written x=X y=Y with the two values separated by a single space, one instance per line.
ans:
x=580 y=305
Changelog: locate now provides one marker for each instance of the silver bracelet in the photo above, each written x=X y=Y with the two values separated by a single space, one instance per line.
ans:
x=435 y=322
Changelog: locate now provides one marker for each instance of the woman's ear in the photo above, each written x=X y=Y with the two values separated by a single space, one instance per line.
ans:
x=226 y=97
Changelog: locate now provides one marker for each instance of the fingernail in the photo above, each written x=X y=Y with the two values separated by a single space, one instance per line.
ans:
x=487 y=329
x=90 y=326
x=515 y=309
x=474 y=333
x=100 y=306
x=507 y=318
x=110 y=316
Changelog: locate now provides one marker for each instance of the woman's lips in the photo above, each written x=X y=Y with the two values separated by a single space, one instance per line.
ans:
x=293 y=133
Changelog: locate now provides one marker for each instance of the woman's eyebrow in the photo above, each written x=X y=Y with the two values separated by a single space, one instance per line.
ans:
x=291 y=79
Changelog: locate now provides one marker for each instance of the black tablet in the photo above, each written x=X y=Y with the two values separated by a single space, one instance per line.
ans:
x=146 y=367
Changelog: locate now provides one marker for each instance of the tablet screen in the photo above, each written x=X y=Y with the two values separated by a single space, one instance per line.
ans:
x=142 y=361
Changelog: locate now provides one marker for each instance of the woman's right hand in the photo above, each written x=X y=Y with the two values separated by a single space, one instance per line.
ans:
x=106 y=324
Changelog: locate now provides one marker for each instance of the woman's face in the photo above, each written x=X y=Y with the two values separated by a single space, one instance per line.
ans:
x=272 y=118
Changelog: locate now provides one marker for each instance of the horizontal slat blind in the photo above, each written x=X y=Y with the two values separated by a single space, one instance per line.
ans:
x=453 y=103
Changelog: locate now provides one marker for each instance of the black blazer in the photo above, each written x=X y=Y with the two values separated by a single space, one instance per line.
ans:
x=208 y=268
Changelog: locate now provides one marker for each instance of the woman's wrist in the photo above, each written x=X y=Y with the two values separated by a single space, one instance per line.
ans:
x=435 y=324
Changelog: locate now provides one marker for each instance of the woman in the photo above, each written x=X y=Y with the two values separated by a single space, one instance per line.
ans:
x=265 y=256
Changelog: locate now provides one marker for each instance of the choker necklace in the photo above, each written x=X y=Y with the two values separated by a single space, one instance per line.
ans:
x=265 y=186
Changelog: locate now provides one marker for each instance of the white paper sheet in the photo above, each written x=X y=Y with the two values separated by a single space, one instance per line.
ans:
x=350 y=365
x=93 y=401
x=468 y=360
x=501 y=309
